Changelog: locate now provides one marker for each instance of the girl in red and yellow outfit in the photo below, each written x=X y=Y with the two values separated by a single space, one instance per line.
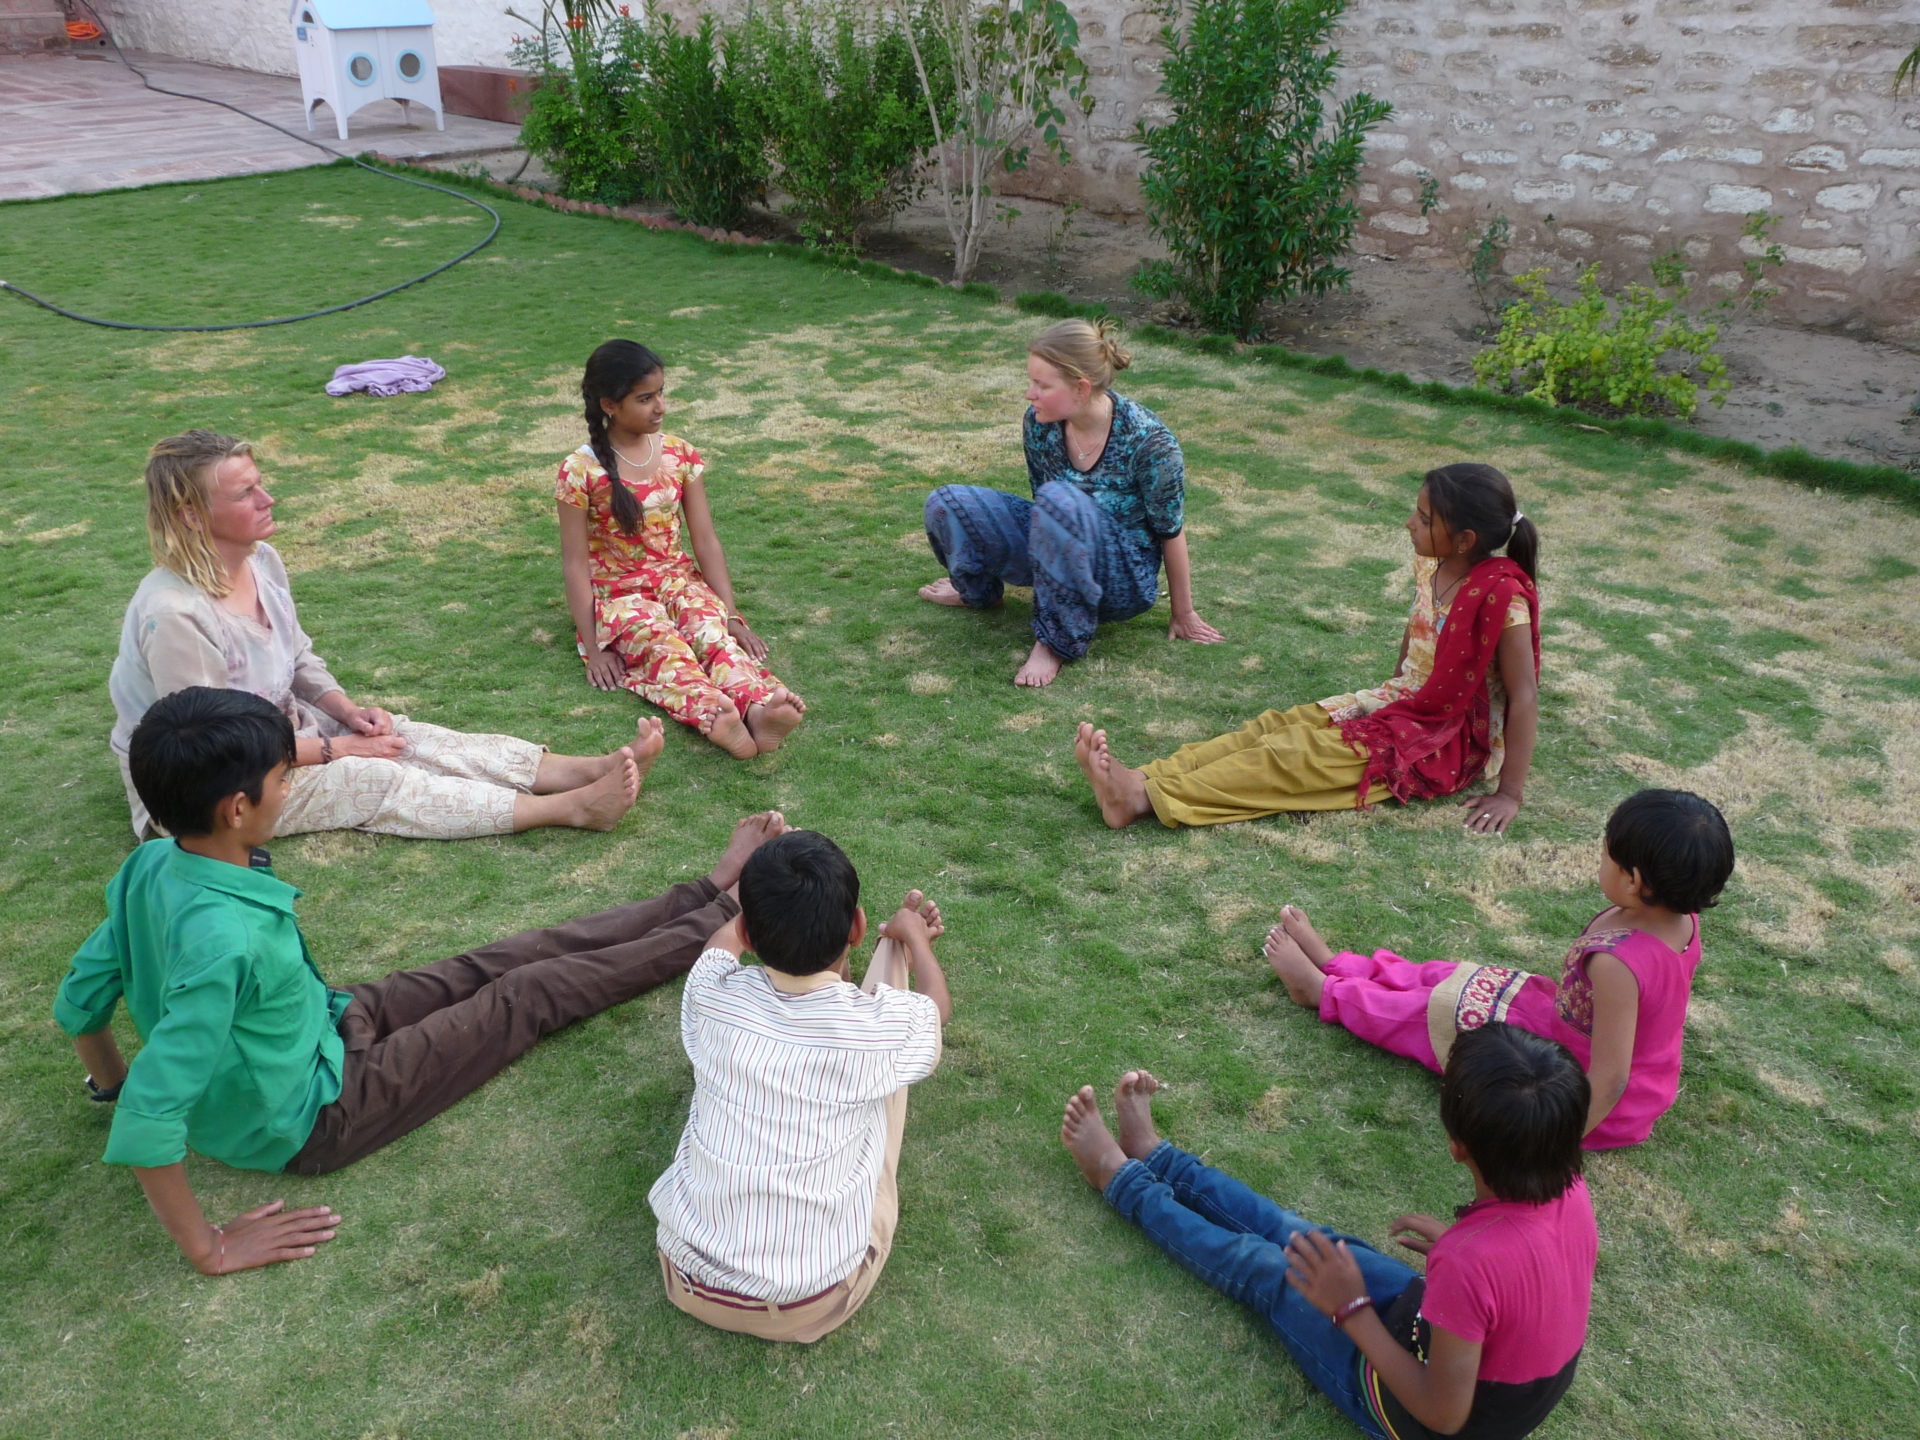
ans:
x=649 y=617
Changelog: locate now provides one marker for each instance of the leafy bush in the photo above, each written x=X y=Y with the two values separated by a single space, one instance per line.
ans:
x=1604 y=353
x=1250 y=183
x=689 y=116
x=836 y=97
x=576 y=122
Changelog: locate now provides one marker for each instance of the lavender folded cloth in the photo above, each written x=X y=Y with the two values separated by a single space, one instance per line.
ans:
x=386 y=377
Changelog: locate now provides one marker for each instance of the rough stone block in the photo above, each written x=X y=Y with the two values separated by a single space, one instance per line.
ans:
x=1552 y=102
x=1400 y=224
x=1410 y=62
x=1605 y=107
x=1636 y=242
x=1613 y=192
x=1856 y=123
x=1567 y=130
x=1141 y=27
x=1534 y=75
x=1848 y=198
x=1720 y=124
x=1909 y=196
x=1855 y=42
x=1659 y=206
x=1467 y=180
x=1386 y=140
x=1820 y=158
x=1903 y=159
x=1788 y=121
x=1524 y=32
x=1711 y=154
x=1491 y=157
x=1579 y=239
x=1579 y=160
x=1628 y=56
x=1469 y=62
x=1844 y=259
x=1788 y=82
x=1529 y=192
x=1632 y=141
x=1737 y=200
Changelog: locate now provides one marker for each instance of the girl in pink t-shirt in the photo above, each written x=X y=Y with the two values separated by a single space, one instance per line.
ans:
x=1620 y=1004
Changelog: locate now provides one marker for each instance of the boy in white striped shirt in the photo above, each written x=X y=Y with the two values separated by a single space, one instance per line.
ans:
x=778 y=1211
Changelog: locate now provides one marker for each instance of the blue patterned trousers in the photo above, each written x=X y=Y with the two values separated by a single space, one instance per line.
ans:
x=1083 y=568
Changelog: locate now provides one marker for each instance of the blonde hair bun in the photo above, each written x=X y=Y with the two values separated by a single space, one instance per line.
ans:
x=1087 y=350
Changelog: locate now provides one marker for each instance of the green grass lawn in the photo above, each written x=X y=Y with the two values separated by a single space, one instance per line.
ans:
x=495 y=1272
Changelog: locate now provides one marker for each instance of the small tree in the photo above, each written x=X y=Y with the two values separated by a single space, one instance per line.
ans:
x=1250 y=183
x=1006 y=66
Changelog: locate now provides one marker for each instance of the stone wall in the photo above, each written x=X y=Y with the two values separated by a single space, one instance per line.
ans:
x=1609 y=130
x=256 y=34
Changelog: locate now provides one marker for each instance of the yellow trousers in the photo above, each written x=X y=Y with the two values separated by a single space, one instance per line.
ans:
x=1280 y=760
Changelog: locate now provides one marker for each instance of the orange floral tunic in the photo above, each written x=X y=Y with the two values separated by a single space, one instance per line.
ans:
x=651 y=606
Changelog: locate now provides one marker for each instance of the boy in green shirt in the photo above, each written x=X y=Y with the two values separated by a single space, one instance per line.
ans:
x=248 y=1056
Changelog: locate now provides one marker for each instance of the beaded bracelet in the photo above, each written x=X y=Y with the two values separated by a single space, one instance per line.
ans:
x=1352 y=1308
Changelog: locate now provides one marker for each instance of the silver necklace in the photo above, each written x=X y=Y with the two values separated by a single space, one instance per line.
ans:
x=1081 y=456
x=653 y=452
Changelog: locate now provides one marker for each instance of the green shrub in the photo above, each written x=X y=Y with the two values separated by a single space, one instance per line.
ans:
x=1250 y=182
x=837 y=100
x=688 y=114
x=1606 y=354
x=576 y=122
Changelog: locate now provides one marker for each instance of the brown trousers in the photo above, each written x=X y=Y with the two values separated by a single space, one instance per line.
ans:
x=419 y=1040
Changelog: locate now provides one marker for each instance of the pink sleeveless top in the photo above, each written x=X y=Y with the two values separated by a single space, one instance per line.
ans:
x=1665 y=979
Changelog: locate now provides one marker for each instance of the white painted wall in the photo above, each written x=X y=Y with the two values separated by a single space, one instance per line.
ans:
x=254 y=34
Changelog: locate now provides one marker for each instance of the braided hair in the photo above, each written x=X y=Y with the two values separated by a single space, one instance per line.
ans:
x=1476 y=497
x=612 y=372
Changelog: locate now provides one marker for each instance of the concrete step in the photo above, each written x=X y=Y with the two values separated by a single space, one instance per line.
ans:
x=24 y=31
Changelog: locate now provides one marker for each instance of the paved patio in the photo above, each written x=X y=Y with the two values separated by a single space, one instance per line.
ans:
x=72 y=126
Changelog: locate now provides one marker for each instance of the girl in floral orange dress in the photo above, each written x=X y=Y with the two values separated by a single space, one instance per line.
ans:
x=649 y=617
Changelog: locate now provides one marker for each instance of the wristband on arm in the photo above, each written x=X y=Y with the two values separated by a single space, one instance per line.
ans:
x=1352 y=1308
x=102 y=1094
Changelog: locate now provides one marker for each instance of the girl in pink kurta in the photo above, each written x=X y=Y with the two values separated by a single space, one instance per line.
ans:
x=649 y=617
x=1620 y=1004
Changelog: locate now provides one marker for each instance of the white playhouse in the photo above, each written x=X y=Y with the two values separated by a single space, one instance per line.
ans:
x=354 y=52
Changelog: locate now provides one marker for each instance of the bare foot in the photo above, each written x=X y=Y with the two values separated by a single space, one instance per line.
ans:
x=1040 y=667
x=1122 y=792
x=774 y=719
x=941 y=592
x=731 y=734
x=1300 y=930
x=1132 y=1101
x=648 y=741
x=1300 y=975
x=1085 y=1134
x=748 y=836
x=600 y=805
x=560 y=773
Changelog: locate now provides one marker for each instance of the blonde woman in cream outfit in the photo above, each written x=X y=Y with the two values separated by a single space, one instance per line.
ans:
x=217 y=611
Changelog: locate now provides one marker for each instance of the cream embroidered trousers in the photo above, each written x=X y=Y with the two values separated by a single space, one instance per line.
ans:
x=444 y=786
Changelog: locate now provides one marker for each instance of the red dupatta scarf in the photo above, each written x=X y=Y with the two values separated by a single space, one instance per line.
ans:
x=1436 y=741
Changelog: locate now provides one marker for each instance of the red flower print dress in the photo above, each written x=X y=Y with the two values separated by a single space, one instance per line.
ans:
x=650 y=603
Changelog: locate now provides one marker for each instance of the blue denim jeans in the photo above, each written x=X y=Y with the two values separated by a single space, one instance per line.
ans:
x=1084 y=569
x=1235 y=1240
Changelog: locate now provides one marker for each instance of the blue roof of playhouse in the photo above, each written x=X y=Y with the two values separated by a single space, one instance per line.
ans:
x=364 y=14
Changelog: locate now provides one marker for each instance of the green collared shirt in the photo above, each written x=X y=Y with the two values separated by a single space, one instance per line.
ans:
x=240 y=1036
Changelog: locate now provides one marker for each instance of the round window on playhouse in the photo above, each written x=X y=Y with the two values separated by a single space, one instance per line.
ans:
x=360 y=69
x=410 y=65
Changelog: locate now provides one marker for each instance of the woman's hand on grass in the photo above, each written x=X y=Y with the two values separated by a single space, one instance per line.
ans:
x=1490 y=814
x=266 y=1235
x=1189 y=626
x=1323 y=1270
x=755 y=647
x=1420 y=1231
x=605 y=670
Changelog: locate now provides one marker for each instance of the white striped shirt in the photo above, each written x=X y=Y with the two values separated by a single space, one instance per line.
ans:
x=771 y=1191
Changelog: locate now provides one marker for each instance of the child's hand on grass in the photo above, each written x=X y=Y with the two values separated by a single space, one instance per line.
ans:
x=918 y=918
x=267 y=1235
x=1323 y=1271
x=1422 y=1230
x=605 y=670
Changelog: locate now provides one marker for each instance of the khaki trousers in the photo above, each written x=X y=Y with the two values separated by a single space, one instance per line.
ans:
x=1280 y=760
x=445 y=786
x=804 y=1321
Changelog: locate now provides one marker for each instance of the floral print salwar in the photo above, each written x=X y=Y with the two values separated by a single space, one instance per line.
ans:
x=650 y=604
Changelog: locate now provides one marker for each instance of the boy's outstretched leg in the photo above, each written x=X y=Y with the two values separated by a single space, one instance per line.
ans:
x=1089 y=1141
x=1133 y=1103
